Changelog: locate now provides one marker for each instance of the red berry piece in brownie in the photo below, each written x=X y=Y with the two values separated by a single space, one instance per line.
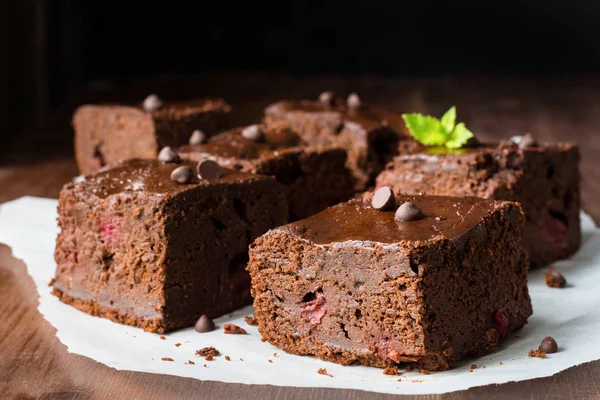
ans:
x=314 y=177
x=371 y=135
x=354 y=284
x=106 y=134
x=544 y=178
x=143 y=248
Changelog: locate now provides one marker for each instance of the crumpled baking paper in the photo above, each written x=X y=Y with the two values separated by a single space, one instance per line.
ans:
x=570 y=315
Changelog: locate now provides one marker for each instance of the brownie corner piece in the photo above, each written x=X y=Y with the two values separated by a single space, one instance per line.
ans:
x=352 y=285
x=140 y=249
x=106 y=134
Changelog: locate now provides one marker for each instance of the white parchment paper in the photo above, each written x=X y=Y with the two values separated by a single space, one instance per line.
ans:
x=570 y=315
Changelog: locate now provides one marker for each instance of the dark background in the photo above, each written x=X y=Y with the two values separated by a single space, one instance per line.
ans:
x=49 y=49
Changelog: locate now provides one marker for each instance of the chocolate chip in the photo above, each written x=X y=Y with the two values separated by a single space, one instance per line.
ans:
x=198 y=137
x=353 y=101
x=208 y=169
x=555 y=279
x=204 y=324
x=527 y=140
x=182 y=174
x=326 y=98
x=548 y=345
x=383 y=199
x=253 y=132
x=152 y=103
x=168 y=155
x=408 y=212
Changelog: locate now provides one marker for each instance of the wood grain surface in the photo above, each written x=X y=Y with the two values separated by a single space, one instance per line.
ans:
x=35 y=365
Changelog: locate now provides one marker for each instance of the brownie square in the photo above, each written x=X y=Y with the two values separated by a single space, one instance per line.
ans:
x=371 y=135
x=313 y=178
x=140 y=249
x=352 y=285
x=544 y=179
x=106 y=134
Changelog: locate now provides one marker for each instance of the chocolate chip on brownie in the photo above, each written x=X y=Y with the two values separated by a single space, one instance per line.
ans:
x=152 y=103
x=198 y=137
x=207 y=351
x=204 y=324
x=383 y=199
x=253 y=132
x=326 y=98
x=353 y=101
x=408 y=212
x=555 y=279
x=182 y=174
x=548 y=345
x=168 y=155
x=209 y=170
x=233 y=329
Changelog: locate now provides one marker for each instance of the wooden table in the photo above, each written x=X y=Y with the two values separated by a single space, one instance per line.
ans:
x=33 y=362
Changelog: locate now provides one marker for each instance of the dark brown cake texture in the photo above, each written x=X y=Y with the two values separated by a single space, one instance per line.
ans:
x=106 y=134
x=353 y=285
x=314 y=177
x=371 y=135
x=544 y=178
x=141 y=249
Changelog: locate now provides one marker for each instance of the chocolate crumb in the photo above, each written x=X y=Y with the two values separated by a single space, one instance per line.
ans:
x=205 y=351
x=166 y=359
x=391 y=370
x=209 y=357
x=323 y=371
x=548 y=345
x=227 y=358
x=473 y=366
x=231 y=329
x=162 y=337
x=250 y=320
x=536 y=353
x=555 y=279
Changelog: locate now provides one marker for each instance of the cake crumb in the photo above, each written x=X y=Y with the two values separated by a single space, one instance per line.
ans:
x=166 y=359
x=484 y=366
x=241 y=359
x=231 y=329
x=205 y=351
x=227 y=358
x=501 y=363
x=209 y=357
x=162 y=337
x=323 y=371
x=424 y=371
x=391 y=370
x=191 y=362
x=409 y=368
x=271 y=361
x=274 y=354
x=537 y=353
x=250 y=320
x=51 y=283
x=473 y=366
x=205 y=366
x=177 y=344
x=471 y=370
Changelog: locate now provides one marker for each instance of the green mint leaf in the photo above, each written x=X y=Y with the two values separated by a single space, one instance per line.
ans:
x=448 y=120
x=458 y=137
x=425 y=129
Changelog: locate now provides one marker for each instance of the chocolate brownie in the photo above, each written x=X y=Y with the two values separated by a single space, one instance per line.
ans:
x=371 y=135
x=106 y=134
x=543 y=178
x=353 y=285
x=141 y=249
x=314 y=178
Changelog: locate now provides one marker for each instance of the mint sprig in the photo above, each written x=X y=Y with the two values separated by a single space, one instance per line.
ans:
x=431 y=131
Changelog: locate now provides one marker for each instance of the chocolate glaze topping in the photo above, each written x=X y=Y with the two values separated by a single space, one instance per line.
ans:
x=232 y=144
x=449 y=217
x=150 y=176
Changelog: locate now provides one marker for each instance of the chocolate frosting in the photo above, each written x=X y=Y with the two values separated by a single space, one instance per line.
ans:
x=150 y=176
x=448 y=217
x=232 y=144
